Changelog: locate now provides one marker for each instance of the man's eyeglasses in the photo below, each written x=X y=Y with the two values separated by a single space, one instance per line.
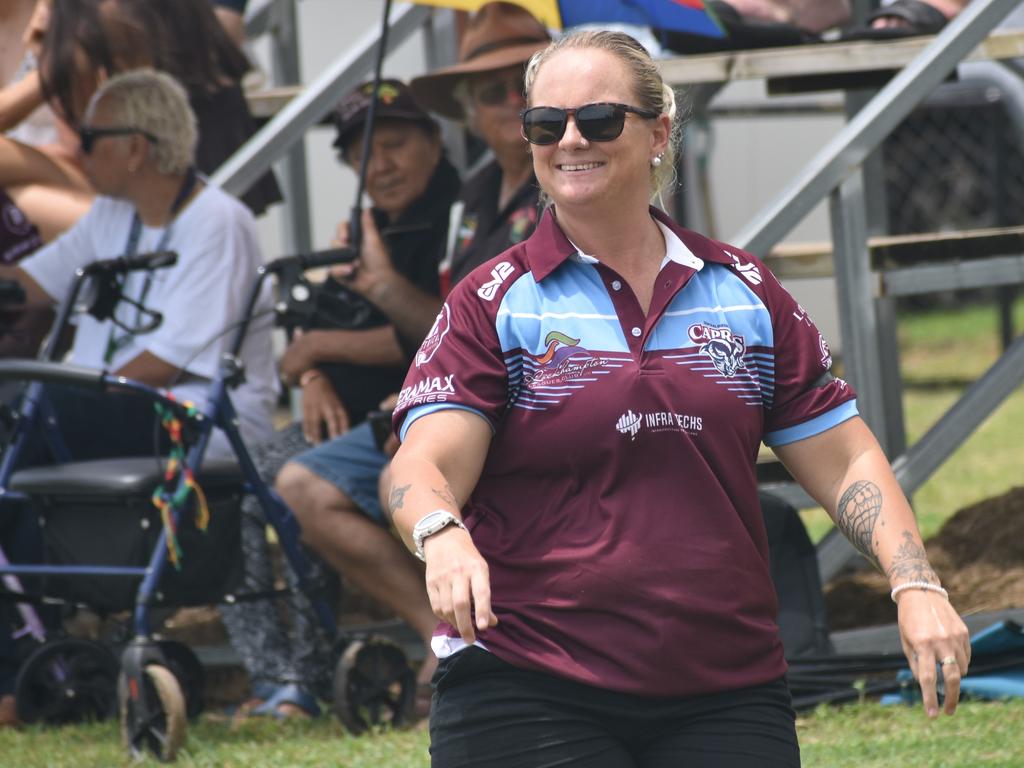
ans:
x=494 y=92
x=88 y=136
x=603 y=121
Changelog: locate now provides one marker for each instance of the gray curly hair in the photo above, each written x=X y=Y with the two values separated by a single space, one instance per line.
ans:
x=154 y=103
x=651 y=91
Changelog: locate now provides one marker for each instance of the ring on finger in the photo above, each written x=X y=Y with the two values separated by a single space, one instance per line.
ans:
x=945 y=661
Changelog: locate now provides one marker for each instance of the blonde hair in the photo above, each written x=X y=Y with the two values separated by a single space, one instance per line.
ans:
x=155 y=103
x=651 y=90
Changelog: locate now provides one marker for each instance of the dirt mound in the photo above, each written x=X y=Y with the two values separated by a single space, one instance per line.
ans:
x=978 y=554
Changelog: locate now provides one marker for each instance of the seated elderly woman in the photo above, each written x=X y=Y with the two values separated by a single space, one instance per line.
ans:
x=138 y=138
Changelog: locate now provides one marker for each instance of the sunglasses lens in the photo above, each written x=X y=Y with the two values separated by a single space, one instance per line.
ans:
x=543 y=125
x=492 y=95
x=600 y=122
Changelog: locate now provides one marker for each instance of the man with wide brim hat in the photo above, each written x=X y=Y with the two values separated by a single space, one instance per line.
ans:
x=498 y=36
x=485 y=90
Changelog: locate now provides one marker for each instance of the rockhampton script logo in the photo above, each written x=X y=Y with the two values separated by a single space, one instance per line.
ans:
x=562 y=361
x=433 y=389
x=436 y=335
x=488 y=290
x=720 y=344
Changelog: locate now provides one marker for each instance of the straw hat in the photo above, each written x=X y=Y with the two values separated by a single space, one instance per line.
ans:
x=498 y=36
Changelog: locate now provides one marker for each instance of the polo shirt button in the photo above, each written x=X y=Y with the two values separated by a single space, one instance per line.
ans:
x=616 y=285
x=636 y=332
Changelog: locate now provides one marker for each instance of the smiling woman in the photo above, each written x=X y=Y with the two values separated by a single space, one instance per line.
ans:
x=583 y=491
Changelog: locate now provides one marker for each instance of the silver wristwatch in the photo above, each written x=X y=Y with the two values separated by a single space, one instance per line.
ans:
x=430 y=524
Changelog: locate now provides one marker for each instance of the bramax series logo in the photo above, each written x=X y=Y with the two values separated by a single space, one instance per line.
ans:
x=724 y=348
x=437 y=333
x=562 y=361
x=434 y=389
x=631 y=423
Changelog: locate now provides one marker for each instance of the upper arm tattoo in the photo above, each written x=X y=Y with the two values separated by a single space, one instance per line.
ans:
x=857 y=514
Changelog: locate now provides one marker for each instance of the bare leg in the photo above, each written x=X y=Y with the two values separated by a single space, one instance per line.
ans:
x=819 y=15
x=360 y=549
x=52 y=209
x=811 y=15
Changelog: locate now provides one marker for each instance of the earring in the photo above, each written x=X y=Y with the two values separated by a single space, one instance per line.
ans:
x=656 y=161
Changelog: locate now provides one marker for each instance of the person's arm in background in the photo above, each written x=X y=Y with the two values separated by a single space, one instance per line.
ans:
x=231 y=15
x=845 y=470
x=18 y=100
x=411 y=310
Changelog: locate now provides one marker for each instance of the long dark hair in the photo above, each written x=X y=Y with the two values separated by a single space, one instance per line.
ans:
x=180 y=37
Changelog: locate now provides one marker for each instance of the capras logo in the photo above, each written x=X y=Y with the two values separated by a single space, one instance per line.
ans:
x=488 y=290
x=434 y=389
x=720 y=344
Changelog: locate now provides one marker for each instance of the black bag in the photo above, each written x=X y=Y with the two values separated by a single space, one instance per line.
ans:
x=803 y=624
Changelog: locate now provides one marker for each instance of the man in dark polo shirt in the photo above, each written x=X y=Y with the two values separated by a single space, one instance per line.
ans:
x=498 y=205
x=344 y=373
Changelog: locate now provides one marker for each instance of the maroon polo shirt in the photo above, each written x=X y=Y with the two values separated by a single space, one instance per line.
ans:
x=617 y=508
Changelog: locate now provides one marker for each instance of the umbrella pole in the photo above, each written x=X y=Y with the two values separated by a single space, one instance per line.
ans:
x=356 y=219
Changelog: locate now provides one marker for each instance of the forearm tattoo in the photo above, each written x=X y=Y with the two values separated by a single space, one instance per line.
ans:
x=910 y=563
x=397 y=497
x=857 y=514
x=446 y=495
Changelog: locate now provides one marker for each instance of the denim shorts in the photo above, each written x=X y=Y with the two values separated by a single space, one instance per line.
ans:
x=352 y=463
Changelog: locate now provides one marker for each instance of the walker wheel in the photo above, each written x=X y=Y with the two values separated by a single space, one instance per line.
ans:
x=67 y=681
x=162 y=733
x=186 y=667
x=373 y=685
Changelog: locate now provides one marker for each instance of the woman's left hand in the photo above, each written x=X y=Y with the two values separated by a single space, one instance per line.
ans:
x=934 y=637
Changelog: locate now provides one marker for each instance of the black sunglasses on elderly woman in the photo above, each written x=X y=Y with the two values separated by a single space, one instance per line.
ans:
x=602 y=121
x=88 y=136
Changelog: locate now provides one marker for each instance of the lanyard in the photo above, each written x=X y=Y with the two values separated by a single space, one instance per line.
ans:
x=116 y=343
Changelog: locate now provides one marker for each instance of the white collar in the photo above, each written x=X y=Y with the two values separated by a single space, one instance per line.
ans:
x=675 y=250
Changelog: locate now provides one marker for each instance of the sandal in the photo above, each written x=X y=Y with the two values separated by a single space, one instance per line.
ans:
x=920 y=17
x=297 y=702
x=741 y=33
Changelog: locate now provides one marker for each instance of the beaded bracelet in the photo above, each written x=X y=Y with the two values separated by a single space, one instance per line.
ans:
x=925 y=585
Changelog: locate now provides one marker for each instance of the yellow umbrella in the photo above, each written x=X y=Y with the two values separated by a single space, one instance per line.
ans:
x=545 y=10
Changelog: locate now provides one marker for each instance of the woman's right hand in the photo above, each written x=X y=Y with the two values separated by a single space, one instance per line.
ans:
x=458 y=582
x=321 y=406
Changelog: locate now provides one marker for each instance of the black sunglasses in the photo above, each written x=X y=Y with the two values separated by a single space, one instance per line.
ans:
x=88 y=136
x=603 y=121
x=496 y=92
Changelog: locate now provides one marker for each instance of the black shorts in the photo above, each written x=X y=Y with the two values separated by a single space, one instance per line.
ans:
x=488 y=713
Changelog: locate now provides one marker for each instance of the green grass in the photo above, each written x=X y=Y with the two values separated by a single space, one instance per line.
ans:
x=853 y=736
x=940 y=353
